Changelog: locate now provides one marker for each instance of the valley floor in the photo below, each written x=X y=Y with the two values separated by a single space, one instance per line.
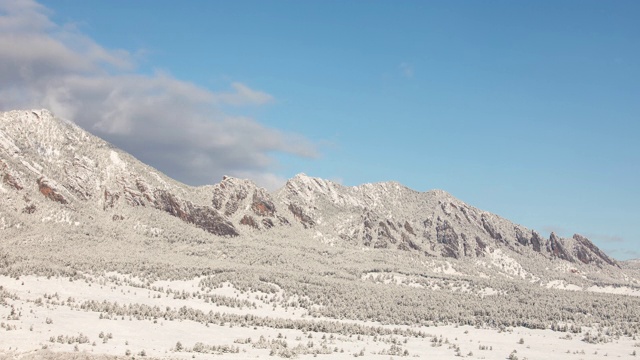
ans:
x=117 y=315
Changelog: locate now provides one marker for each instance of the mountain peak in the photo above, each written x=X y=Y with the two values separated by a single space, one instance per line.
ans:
x=226 y=179
x=310 y=187
x=304 y=179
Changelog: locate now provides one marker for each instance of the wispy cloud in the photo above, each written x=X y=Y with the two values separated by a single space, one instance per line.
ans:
x=406 y=69
x=623 y=253
x=243 y=95
x=605 y=238
x=598 y=238
x=176 y=126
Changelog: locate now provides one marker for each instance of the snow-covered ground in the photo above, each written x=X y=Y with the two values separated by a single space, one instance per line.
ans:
x=42 y=309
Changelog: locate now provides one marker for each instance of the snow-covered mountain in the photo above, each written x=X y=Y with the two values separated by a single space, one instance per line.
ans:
x=390 y=215
x=56 y=176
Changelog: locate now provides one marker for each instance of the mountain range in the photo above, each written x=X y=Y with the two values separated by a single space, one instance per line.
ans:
x=54 y=172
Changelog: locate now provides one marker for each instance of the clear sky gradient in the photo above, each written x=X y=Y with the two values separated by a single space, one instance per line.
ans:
x=527 y=109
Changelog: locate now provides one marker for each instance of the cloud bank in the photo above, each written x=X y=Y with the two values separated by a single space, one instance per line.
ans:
x=174 y=125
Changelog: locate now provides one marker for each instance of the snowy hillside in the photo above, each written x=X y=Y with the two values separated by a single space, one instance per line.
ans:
x=55 y=171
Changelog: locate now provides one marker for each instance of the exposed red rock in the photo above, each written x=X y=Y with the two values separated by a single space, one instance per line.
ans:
x=263 y=207
x=11 y=181
x=249 y=221
x=49 y=192
x=556 y=248
x=588 y=253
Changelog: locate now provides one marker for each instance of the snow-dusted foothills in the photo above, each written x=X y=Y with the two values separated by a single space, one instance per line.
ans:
x=103 y=256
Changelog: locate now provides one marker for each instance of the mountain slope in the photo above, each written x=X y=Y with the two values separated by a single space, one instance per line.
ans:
x=80 y=174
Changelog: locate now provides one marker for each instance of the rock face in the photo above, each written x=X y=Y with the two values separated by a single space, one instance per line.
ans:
x=49 y=192
x=203 y=217
x=244 y=203
x=588 y=253
x=389 y=215
x=556 y=248
x=51 y=167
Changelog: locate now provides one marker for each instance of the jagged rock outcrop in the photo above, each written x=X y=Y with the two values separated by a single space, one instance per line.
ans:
x=203 y=217
x=261 y=203
x=488 y=226
x=521 y=238
x=556 y=248
x=49 y=191
x=536 y=241
x=447 y=236
x=585 y=251
x=243 y=202
x=300 y=215
x=249 y=221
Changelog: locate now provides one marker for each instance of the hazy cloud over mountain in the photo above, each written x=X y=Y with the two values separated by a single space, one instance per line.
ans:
x=175 y=125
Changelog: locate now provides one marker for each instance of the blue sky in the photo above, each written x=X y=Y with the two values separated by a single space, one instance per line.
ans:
x=528 y=109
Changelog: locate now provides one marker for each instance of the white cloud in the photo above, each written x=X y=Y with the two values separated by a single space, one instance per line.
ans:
x=23 y=16
x=174 y=125
x=606 y=238
x=243 y=95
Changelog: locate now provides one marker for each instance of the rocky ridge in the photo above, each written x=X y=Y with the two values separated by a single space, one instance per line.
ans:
x=54 y=172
